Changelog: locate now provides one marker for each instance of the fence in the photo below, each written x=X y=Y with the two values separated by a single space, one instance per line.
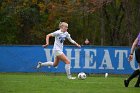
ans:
x=89 y=59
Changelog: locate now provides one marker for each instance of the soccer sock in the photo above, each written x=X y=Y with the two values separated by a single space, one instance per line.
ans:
x=134 y=74
x=47 y=64
x=67 y=68
x=138 y=81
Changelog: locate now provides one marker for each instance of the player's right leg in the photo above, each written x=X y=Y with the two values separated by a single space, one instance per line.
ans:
x=49 y=63
x=133 y=75
x=56 y=61
x=41 y=64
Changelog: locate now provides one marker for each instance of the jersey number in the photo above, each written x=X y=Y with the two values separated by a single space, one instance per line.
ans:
x=61 y=39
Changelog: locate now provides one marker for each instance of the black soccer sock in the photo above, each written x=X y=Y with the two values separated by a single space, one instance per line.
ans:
x=138 y=81
x=134 y=74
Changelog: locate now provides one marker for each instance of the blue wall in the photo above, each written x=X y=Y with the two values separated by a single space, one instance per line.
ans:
x=89 y=59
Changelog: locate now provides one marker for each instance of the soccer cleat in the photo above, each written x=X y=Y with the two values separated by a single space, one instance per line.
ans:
x=72 y=78
x=39 y=65
x=126 y=83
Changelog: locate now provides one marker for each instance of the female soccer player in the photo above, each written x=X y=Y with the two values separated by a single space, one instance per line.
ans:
x=60 y=36
x=136 y=47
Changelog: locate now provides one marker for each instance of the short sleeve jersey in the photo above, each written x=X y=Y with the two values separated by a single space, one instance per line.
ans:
x=138 y=39
x=59 y=39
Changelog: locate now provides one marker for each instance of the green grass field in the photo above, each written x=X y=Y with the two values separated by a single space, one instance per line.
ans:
x=51 y=83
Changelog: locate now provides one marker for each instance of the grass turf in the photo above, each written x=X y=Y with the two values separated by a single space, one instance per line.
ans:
x=50 y=83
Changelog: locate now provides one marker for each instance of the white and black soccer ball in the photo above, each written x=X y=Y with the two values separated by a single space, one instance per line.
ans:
x=82 y=75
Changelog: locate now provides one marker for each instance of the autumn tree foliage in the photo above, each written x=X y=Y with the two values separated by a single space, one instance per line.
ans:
x=103 y=22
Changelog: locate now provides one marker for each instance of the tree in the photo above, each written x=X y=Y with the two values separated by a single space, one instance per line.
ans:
x=103 y=22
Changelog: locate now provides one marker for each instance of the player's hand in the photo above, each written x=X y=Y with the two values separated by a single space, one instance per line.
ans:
x=130 y=57
x=78 y=45
x=45 y=45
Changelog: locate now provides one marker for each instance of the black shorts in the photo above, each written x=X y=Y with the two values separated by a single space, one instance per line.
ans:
x=137 y=54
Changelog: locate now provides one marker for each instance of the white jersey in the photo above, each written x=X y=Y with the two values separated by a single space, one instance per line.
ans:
x=60 y=38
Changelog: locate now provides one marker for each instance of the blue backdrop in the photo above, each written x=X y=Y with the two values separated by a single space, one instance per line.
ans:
x=89 y=59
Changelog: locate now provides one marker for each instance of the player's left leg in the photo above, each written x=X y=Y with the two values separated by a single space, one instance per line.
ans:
x=136 y=72
x=138 y=80
x=67 y=65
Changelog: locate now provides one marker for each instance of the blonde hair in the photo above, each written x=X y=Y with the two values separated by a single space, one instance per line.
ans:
x=63 y=24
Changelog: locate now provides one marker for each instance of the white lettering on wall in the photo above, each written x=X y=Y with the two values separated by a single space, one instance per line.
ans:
x=121 y=54
x=89 y=55
x=106 y=62
x=76 y=58
x=88 y=58
x=49 y=55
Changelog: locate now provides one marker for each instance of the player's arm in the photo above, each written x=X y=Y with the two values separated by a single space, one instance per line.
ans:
x=47 y=40
x=132 y=49
x=72 y=41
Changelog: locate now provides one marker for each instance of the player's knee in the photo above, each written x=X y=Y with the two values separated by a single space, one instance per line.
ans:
x=68 y=62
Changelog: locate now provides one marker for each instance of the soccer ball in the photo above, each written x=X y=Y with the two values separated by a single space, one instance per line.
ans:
x=82 y=75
